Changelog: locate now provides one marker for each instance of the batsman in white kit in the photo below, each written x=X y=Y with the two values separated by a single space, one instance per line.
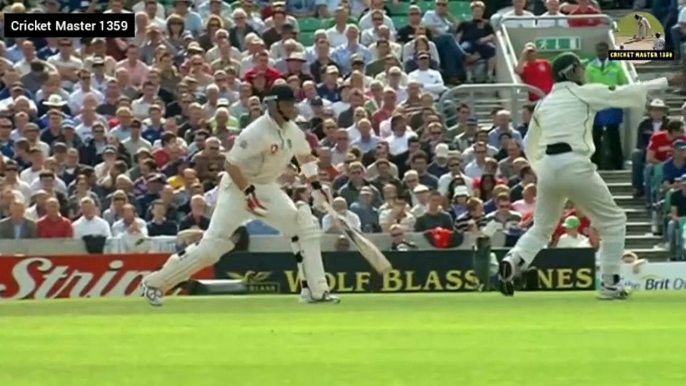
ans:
x=559 y=145
x=250 y=191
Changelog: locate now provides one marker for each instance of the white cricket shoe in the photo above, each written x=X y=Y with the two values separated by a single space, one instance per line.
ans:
x=306 y=297
x=154 y=296
x=613 y=292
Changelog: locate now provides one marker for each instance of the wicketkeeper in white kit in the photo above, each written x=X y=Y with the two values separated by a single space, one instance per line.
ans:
x=260 y=155
x=559 y=145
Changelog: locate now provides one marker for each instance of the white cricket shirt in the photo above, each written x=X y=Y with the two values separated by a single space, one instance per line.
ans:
x=263 y=149
x=567 y=114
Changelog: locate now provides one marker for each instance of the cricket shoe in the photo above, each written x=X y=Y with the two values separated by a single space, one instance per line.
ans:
x=509 y=269
x=306 y=297
x=154 y=296
x=615 y=291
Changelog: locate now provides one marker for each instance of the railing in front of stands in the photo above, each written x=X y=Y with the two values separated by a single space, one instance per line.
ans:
x=509 y=92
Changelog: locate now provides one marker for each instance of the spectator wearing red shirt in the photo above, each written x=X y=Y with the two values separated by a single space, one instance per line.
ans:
x=162 y=156
x=262 y=67
x=535 y=71
x=661 y=143
x=53 y=225
x=390 y=101
x=584 y=8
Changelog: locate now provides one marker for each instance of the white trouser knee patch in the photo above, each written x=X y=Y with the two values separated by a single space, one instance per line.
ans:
x=309 y=245
x=193 y=258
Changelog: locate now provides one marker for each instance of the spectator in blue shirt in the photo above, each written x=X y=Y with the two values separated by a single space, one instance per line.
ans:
x=328 y=89
x=675 y=166
x=342 y=55
x=6 y=143
x=193 y=21
x=502 y=125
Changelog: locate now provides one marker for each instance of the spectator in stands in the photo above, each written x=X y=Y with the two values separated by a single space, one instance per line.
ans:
x=160 y=225
x=13 y=181
x=431 y=80
x=675 y=166
x=482 y=135
x=115 y=210
x=473 y=219
x=655 y=122
x=81 y=191
x=503 y=126
x=399 y=214
x=519 y=11
x=476 y=167
x=660 y=149
x=37 y=210
x=419 y=162
x=609 y=73
x=341 y=207
x=572 y=238
x=505 y=216
x=196 y=218
x=526 y=177
x=677 y=211
x=421 y=194
x=527 y=203
x=584 y=8
x=17 y=226
x=90 y=224
x=53 y=225
x=477 y=36
x=351 y=190
x=459 y=202
x=434 y=216
x=365 y=210
x=398 y=241
x=553 y=17
x=129 y=224
x=535 y=71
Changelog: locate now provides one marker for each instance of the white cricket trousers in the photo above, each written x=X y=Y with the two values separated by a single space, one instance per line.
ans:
x=573 y=176
x=294 y=222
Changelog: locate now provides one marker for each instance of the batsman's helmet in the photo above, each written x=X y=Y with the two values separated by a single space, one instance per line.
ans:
x=564 y=65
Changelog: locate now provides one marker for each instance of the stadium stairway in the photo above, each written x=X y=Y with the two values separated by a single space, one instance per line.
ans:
x=639 y=237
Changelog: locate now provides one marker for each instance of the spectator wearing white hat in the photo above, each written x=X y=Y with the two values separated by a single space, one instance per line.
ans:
x=439 y=165
x=572 y=238
x=421 y=195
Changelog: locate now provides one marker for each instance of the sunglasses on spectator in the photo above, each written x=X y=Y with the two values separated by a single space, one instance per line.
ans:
x=436 y=133
x=85 y=78
x=454 y=165
x=213 y=148
x=377 y=19
x=214 y=25
x=441 y=4
x=65 y=44
x=11 y=170
x=5 y=126
x=412 y=181
x=396 y=234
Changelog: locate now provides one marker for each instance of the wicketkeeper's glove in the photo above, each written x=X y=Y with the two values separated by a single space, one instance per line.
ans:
x=253 y=203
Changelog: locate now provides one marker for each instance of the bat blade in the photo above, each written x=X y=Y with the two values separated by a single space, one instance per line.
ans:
x=366 y=248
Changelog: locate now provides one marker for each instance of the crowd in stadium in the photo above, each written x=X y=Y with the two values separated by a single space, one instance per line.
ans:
x=127 y=136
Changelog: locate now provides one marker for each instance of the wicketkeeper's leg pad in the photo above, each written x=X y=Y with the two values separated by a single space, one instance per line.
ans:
x=193 y=258
x=307 y=246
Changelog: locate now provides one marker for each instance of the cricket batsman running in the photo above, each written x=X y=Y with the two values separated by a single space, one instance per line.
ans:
x=260 y=155
x=559 y=145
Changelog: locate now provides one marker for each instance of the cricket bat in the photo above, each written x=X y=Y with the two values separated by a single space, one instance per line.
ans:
x=366 y=248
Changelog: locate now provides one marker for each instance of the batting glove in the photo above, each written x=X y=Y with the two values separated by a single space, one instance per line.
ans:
x=253 y=203
x=319 y=196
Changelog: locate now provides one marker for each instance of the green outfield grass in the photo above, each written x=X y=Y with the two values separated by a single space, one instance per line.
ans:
x=551 y=339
